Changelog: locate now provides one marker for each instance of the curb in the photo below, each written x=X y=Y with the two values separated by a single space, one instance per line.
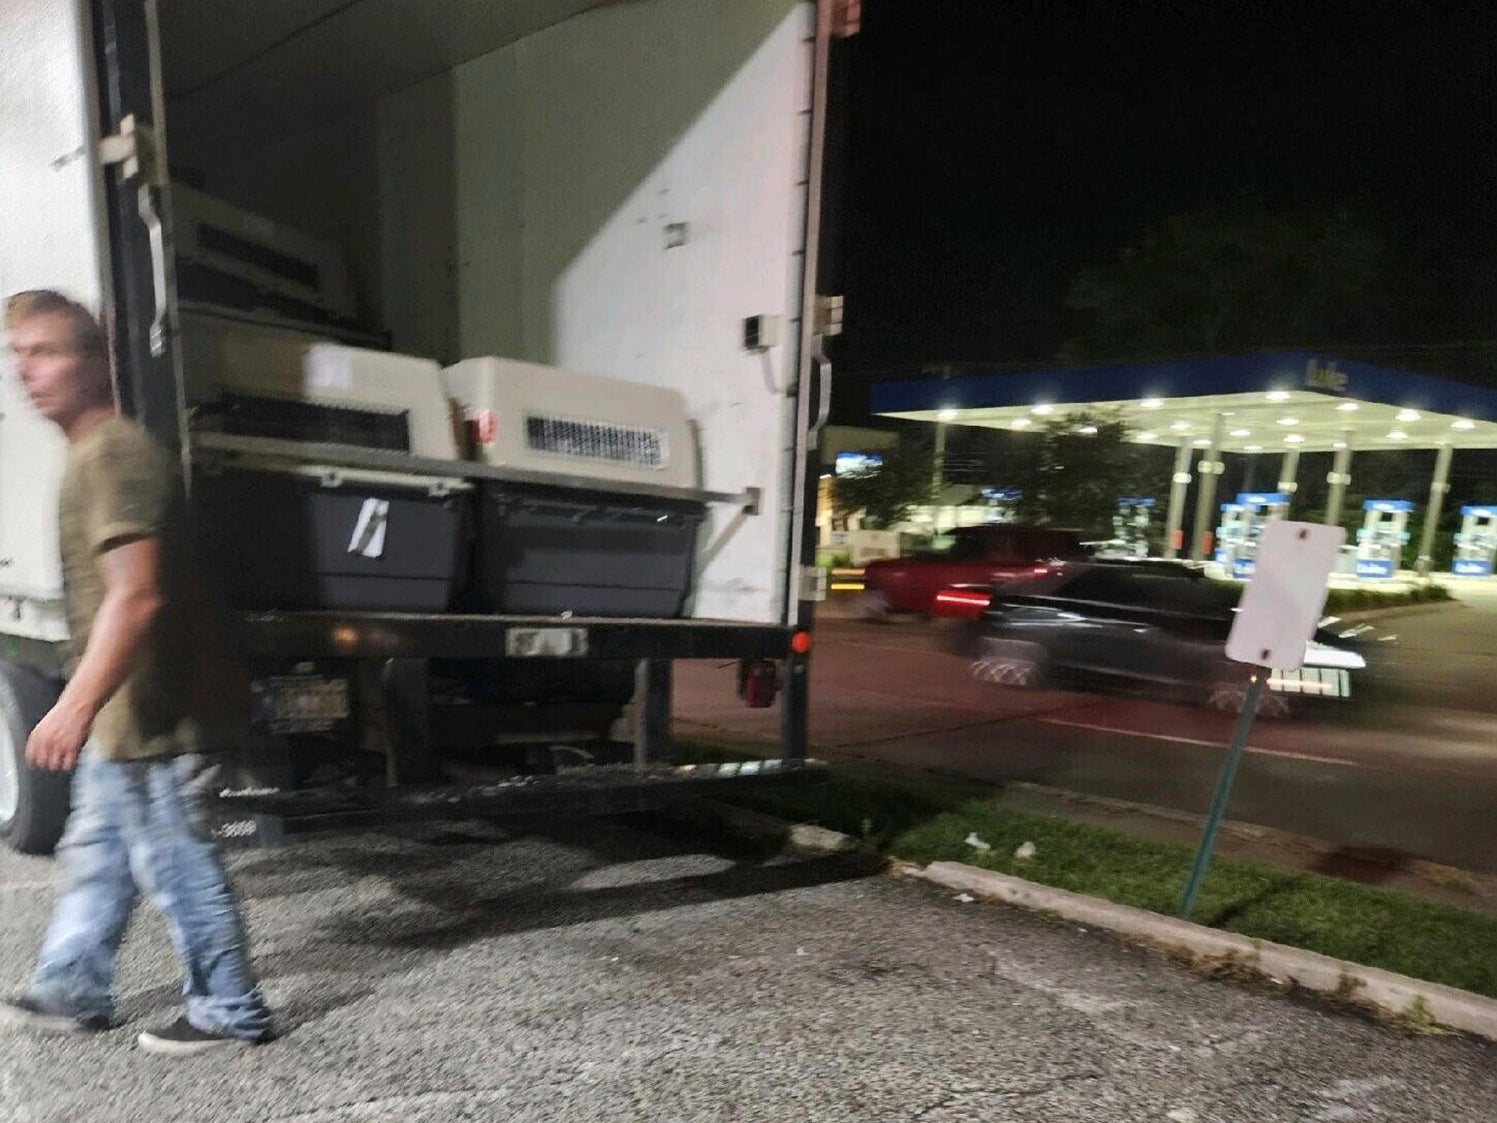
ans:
x=1384 y=992
x=1415 y=1002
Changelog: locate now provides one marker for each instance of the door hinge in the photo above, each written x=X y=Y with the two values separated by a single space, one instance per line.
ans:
x=847 y=18
x=828 y=316
x=135 y=149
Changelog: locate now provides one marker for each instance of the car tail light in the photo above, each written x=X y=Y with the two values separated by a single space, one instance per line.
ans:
x=961 y=604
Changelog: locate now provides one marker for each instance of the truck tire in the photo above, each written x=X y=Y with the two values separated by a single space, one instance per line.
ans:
x=33 y=803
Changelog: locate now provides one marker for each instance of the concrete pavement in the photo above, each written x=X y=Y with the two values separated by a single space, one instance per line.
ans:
x=608 y=972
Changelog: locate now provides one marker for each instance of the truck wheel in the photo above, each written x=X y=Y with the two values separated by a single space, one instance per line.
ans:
x=33 y=803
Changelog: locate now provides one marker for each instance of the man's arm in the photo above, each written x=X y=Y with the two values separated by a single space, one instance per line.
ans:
x=132 y=598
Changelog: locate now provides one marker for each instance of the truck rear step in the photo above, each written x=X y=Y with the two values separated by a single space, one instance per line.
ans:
x=269 y=818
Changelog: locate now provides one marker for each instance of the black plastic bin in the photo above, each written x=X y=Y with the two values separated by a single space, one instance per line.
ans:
x=545 y=551
x=278 y=540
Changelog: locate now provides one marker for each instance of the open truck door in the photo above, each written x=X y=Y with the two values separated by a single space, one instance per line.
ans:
x=142 y=305
x=82 y=189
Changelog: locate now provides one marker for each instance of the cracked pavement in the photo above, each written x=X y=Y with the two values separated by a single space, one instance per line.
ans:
x=608 y=971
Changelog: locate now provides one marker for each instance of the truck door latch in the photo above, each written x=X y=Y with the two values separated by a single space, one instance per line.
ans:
x=135 y=149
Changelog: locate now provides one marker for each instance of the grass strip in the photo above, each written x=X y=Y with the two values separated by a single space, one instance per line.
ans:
x=929 y=819
x=1362 y=600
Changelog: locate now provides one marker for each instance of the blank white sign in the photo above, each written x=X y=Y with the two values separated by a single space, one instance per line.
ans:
x=1286 y=597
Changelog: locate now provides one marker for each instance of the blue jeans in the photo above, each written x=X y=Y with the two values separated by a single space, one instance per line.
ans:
x=139 y=823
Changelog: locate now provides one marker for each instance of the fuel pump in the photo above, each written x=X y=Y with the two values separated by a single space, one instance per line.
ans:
x=1476 y=544
x=999 y=503
x=1241 y=526
x=1130 y=526
x=1381 y=540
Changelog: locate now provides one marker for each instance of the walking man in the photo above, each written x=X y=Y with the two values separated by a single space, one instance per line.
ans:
x=131 y=719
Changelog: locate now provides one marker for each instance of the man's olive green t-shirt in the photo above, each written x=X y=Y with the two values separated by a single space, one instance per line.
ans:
x=119 y=485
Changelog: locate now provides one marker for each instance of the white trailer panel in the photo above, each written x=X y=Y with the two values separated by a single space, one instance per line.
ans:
x=49 y=238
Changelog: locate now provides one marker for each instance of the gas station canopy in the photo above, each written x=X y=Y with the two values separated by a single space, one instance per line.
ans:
x=1241 y=403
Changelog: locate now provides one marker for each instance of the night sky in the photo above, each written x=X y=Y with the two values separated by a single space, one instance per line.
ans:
x=995 y=148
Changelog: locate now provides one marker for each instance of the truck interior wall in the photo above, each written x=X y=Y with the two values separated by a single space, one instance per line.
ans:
x=419 y=216
x=613 y=193
x=576 y=152
x=321 y=179
x=272 y=104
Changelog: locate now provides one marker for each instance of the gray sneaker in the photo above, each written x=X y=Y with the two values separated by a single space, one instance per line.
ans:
x=27 y=1015
x=183 y=1039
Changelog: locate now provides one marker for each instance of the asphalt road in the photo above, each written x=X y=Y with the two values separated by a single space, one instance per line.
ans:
x=605 y=973
x=1409 y=769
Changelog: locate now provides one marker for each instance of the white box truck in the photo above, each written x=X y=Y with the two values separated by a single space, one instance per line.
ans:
x=491 y=340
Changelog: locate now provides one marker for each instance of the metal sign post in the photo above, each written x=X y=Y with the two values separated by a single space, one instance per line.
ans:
x=1278 y=616
x=1223 y=790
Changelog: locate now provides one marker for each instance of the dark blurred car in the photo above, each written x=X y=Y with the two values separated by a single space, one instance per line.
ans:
x=1151 y=626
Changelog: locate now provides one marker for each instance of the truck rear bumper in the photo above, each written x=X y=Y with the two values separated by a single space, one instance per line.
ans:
x=397 y=635
x=269 y=818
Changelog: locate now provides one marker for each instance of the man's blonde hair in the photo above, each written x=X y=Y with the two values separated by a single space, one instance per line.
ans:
x=88 y=336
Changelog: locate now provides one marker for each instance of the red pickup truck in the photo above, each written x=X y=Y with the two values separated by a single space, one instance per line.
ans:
x=968 y=555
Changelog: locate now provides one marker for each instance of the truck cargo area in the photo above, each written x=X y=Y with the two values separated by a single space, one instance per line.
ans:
x=486 y=332
x=515 y=182
x=477 y=445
